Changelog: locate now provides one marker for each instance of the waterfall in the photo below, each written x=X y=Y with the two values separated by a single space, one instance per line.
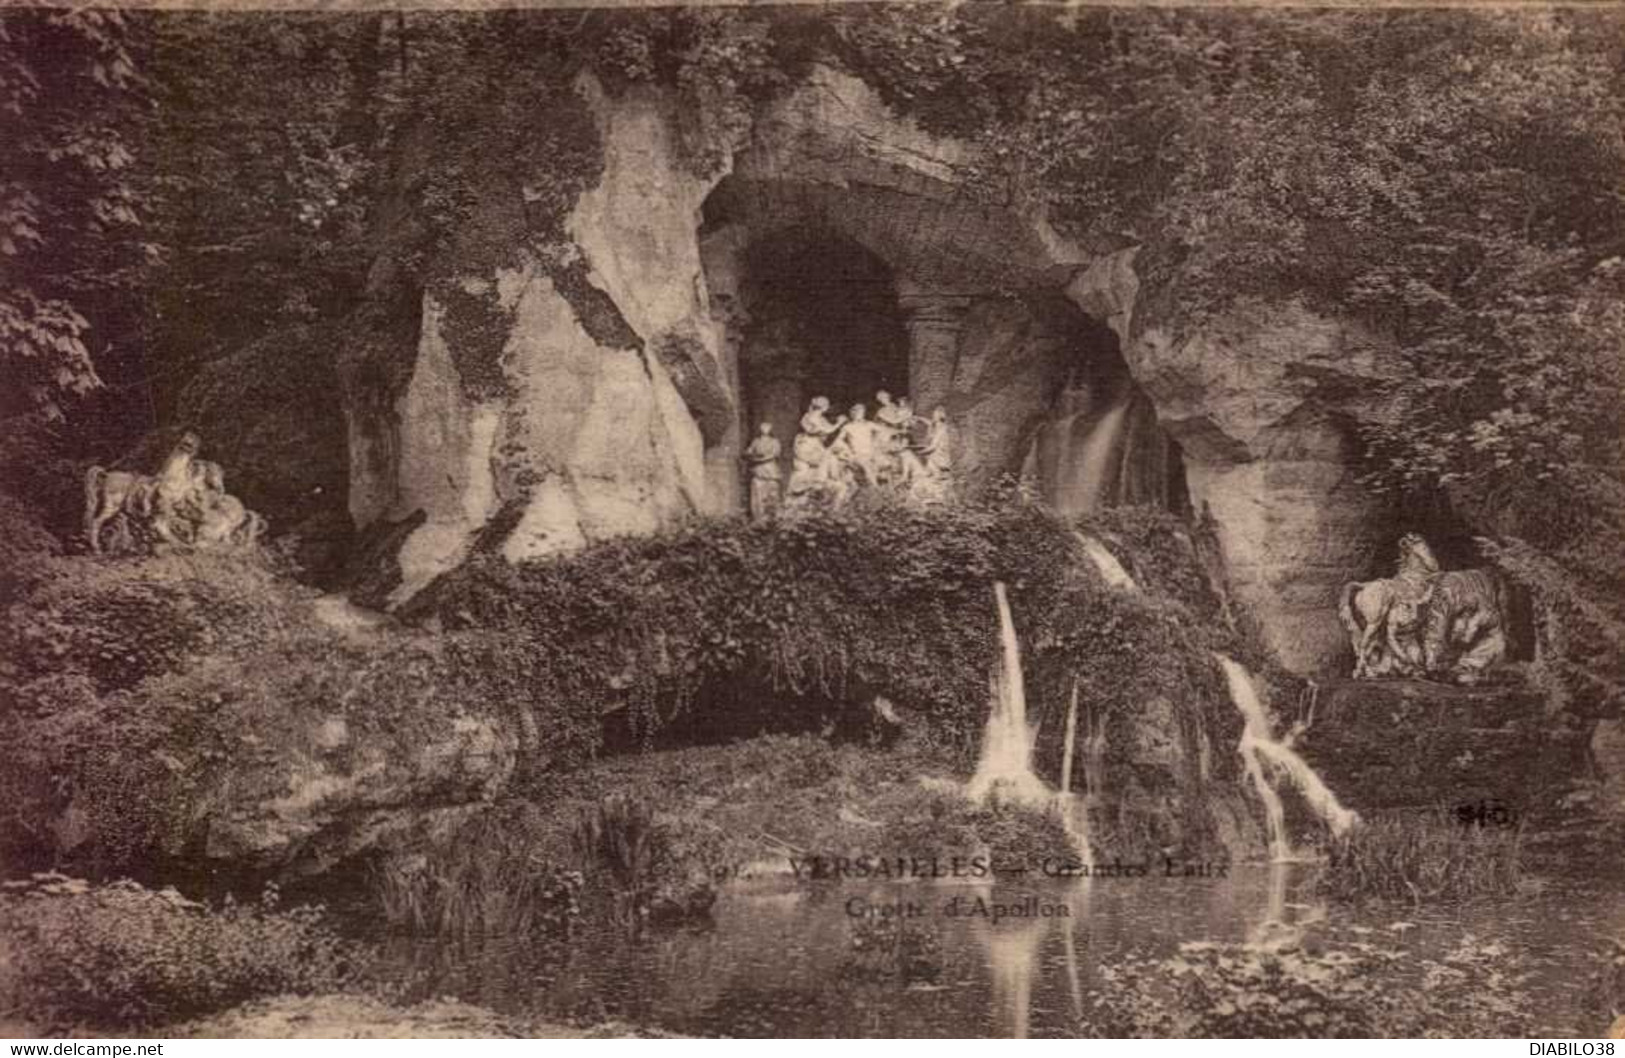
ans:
x=1258 y=744
x=1007 y=745
x=1111 y=569
x=1077 y=456
x=1093 y=467
x=1006 y=762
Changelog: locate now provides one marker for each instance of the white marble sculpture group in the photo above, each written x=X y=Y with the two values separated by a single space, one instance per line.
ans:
x=185 y=505
x=1424 y=623
x=832 y=459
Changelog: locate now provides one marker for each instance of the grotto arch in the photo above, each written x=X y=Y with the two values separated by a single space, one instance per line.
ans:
x=844 y=290
x=820 y=318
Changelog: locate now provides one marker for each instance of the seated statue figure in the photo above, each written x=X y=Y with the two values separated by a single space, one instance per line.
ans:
x=813 y=474
x=857 y=445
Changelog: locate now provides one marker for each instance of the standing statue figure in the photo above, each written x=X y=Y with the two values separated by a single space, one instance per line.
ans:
x=893 y=420
x=813 y=473
x=765 y=476
x=857 y=447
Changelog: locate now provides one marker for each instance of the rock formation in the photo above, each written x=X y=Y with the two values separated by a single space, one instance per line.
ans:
x=625 y=368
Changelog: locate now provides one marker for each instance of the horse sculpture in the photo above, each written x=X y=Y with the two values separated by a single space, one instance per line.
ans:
x=111 y=494
x=1424 y=622
x=1366 y=607
x=185 y=504
x=1467 y=611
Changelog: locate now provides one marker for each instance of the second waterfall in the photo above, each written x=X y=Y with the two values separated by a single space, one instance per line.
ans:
x=1005 y=766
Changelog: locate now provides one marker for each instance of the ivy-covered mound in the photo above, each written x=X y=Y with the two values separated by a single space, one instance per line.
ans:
x=733 y=629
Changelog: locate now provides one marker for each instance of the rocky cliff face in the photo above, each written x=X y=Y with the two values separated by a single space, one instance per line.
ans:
x=627 y=362
x=586 y=416
x=1262 y=404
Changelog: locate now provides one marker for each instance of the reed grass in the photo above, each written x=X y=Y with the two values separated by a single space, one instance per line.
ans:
x=520 y=873
x=494 y=879
x=618 y=840
x=1422 y=858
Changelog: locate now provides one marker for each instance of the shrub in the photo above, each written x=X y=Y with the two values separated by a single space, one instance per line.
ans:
x=124 y=955
x=1421 y=858
x=879 y=597
x=618 y=840
x=120 y=621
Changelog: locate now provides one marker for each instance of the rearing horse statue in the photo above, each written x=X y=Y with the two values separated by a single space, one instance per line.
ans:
x=1366 y=608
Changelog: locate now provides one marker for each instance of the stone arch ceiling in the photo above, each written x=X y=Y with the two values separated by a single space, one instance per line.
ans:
x=833 y=156
x=929 y=243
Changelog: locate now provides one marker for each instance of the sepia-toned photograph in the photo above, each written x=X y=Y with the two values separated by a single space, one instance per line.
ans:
x=822 y=519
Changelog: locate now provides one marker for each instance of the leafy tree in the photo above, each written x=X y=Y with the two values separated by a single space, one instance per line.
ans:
x=69 y=212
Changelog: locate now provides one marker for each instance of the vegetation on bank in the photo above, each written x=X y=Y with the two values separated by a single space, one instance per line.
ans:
x=120 y=955
x=1424 y=858
x=649 y=837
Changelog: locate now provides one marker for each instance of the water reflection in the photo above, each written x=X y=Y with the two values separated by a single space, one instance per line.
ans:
x=781 y=961
x=1014 y=957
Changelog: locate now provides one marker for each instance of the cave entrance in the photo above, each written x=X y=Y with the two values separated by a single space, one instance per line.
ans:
x=824 y=320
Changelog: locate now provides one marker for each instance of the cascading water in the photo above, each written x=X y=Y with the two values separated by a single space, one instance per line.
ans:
x=1094 y=461
x=1111 y=569
x=1077 y=457
x=1007 y=746
x=1005 y=764
x=1258 y=744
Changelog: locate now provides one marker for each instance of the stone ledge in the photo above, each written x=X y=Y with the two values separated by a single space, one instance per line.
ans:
x=1387 y=744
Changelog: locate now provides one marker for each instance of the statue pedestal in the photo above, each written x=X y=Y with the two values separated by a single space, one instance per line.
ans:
x=1411 y=744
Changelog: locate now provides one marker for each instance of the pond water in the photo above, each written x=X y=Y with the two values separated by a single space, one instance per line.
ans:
x=779 y=958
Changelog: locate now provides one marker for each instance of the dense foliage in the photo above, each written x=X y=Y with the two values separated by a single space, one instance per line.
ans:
x=122 y=955
x=1424 y=859
x=69 y=208
x=880 y=597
